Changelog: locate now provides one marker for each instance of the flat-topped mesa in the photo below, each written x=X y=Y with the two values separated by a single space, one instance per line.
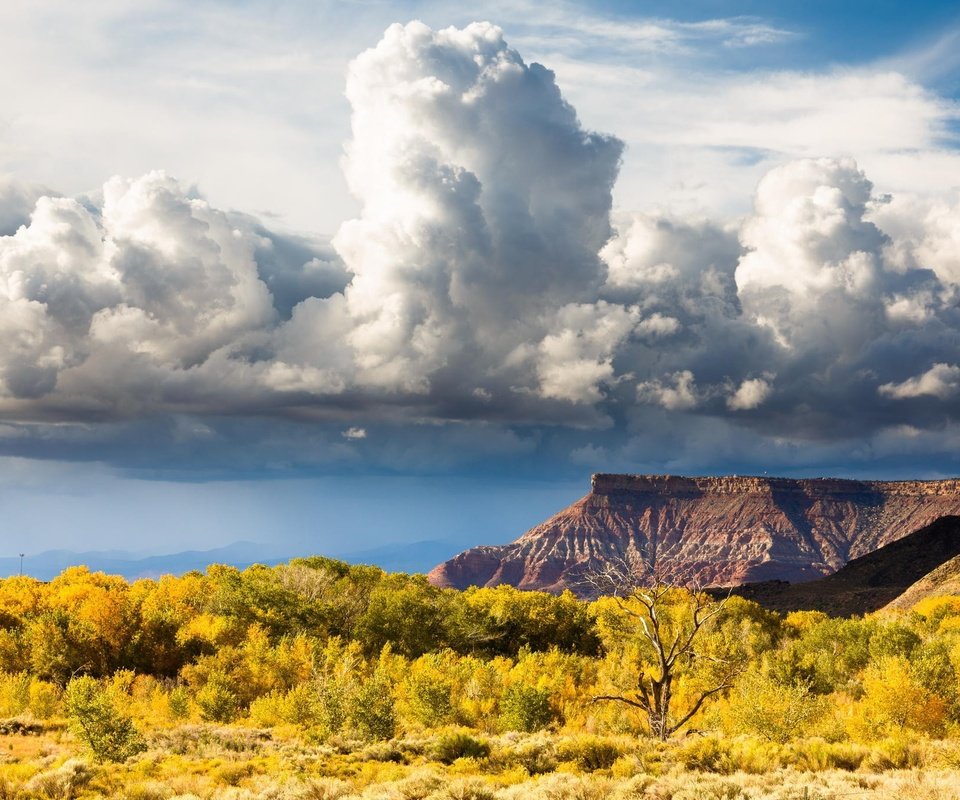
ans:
x=602 y=483
x=720 y=530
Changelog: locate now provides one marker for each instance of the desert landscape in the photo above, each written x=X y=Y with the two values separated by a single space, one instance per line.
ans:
x=420 y=400
x=318 y=679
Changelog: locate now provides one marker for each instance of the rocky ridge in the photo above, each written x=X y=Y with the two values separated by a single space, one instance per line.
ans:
x=898 y=575
x=714 y=531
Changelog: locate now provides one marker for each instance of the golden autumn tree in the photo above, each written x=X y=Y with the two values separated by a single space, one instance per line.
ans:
x=667 y=629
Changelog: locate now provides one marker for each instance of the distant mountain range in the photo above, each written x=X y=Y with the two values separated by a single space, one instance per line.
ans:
x=411 y=557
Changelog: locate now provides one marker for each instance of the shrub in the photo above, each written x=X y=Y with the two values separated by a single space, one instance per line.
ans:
x=63 y=781
x=776 y=711
x=99 y=723
x=816 y=755
x=266 y=711
x=178 y=702
x=428 y=695
x=418 y=786
x=146 y=791
x=385 y=752
x=325 y=789
x=372 y=710
x=44 y=699
x=536 y=757
x=525 y=708
x=896 y=753
x=14 y=693
x=469 y=789
x=458 y=744
x=706 y=754
x=589 y=753
x=563 y=786
x=216 y=700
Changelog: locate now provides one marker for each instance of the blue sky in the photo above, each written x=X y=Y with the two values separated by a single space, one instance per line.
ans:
x=421 y=293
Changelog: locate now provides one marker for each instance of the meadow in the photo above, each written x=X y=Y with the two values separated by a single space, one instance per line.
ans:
x=316 y=679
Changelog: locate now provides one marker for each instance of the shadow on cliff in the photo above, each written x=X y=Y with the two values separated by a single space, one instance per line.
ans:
x=867 y=583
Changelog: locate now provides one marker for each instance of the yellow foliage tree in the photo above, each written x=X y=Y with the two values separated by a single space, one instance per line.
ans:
x=894 y=702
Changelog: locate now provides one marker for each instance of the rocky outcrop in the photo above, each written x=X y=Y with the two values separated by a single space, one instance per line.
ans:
x=717 y=531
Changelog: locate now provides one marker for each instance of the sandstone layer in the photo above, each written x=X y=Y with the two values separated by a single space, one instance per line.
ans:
x=715 y=531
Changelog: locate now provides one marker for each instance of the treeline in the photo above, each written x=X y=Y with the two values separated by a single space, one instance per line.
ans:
x=351 y=652
x=96 y=624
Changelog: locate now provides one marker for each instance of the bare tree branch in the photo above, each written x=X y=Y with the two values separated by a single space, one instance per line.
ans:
x=652 y=603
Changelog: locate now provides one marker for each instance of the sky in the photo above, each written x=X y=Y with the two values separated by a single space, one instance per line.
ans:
x=332 y=275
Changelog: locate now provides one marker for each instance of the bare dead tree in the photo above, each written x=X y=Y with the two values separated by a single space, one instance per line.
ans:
x=675 y=638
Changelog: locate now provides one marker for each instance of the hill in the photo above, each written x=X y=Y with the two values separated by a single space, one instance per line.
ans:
x=899 y=574
x=714 y=531
x=944 y=580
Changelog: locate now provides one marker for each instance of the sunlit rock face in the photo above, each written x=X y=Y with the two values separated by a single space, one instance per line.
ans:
x=715 y=531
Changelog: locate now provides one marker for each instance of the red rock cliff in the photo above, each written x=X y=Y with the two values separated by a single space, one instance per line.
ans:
x=718 y=531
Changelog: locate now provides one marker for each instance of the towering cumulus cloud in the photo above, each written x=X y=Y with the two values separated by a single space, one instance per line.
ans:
x=482 y=281
x=485 y=203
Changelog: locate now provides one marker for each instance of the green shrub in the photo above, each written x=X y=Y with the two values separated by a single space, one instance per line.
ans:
x=458 y=744
x=99 y=723
x=179 y=702
x=216 y=700
x=706 y=754
x=372 y=710
x=525 y=708
x=589 y=753
x=428 y=698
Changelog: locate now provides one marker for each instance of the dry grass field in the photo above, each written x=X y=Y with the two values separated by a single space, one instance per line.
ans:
x=210 y=762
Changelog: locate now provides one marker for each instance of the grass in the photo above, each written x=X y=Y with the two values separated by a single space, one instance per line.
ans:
x=230 y=762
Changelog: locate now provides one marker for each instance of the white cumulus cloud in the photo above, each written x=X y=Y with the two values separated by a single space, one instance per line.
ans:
x=941 y=380
x=678 y=392
x=750 y=394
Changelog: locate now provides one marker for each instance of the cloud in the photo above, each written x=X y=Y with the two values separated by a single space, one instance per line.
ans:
x=484 y=204
x=676 y=393
x=17 y=200
x=750 y=394
x=485 y=288
x=133 y=299
x=941 y=380
x=582 y=33
x=688 y=153
x=576 y=359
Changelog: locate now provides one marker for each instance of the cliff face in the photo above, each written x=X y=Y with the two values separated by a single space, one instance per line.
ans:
x=714 y=531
